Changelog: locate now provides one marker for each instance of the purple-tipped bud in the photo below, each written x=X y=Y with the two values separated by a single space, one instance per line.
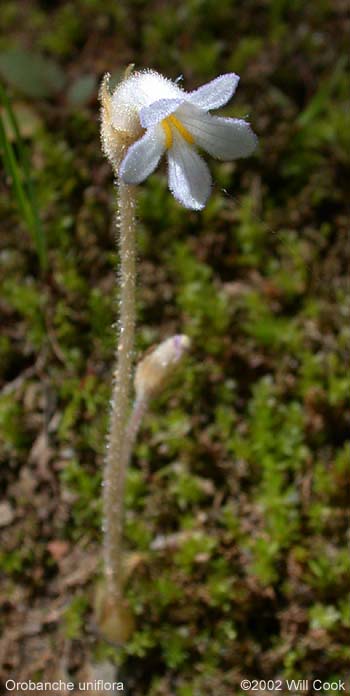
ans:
x=157 y=368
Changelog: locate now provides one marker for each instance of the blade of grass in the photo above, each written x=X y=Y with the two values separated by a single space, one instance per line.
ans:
x=12 y=171
x=323 y=95
x=19 y=171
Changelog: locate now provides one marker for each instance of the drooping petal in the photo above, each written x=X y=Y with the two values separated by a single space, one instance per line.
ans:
x=224 y=138
x=215 y=93
x=189 y=176
x=154 y=113
x=143 y=156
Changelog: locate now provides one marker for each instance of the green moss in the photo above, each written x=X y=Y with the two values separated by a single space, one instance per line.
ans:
x=74 y=616
x=13 y=432
x=86 y=504
x=205 y=307
x=199 y=547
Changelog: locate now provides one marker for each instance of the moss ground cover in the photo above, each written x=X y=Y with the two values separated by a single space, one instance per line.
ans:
x=238 y=497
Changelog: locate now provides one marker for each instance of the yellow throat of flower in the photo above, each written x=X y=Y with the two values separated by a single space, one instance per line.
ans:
x=172 y=122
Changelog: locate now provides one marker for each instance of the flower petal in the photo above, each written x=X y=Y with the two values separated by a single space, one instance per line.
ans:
x=215 y=93
x=223 y=138
x=154 y=113
x=143 y=156
x=143 y=88
x=189 y=176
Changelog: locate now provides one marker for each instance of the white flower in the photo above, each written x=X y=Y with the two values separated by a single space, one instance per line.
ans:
x=175 y=122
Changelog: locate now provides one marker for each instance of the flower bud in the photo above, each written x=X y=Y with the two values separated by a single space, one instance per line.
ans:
x=157 y=368
x=120 y=123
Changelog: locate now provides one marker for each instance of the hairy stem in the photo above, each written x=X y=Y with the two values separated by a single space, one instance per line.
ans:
x=115 y=467
x=133 y=426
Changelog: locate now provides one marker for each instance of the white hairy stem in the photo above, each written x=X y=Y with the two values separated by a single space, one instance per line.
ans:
x=133 y=427
x=116 y=462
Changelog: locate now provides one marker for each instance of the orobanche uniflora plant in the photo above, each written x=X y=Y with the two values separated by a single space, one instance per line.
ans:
x=148 y=116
